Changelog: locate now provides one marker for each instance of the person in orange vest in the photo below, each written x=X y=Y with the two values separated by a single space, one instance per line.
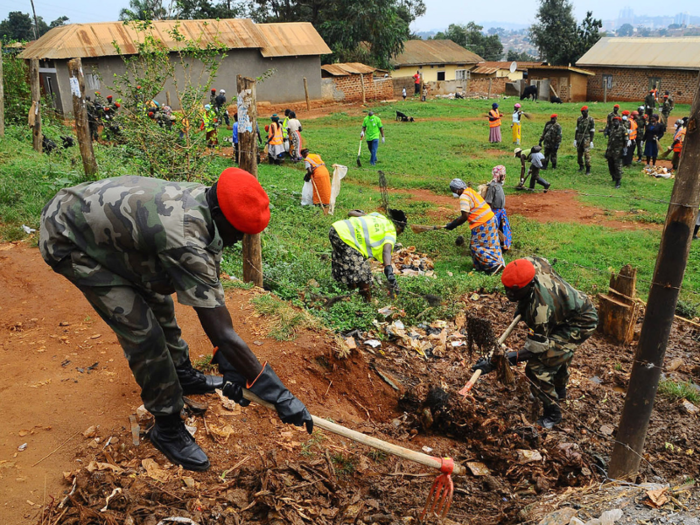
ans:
x=485 y=244
x=677 y=145
x=317 y=173
x=495 y=124
x=632 y=133
x=275 y=141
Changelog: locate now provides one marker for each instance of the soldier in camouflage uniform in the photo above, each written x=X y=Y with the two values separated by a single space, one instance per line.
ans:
x=649 y=104
x=666 y=109
x=128 y=243
x=551 y=139
x=560 y=319
x=641 y=128
x=608 y=125
x=583 y=140
x=617 y=142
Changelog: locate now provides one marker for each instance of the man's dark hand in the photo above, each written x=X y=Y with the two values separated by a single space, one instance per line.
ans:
x=268 y=387
x=485 y=365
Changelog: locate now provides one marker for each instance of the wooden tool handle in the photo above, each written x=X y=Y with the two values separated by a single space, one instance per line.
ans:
x=510 y=328
x=418 y=457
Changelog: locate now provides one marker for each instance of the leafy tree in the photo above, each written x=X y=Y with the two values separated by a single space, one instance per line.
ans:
x=556 y=35
x=625 y=30
x=18 y=96
x=471 y=37
x=513 y=55
x=17 y=26
x=204 y=9
x=143 y=10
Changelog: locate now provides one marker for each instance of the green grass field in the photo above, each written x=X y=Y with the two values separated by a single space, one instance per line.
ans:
x=448 y=139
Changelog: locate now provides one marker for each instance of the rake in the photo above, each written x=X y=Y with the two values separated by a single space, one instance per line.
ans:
x=442 y=491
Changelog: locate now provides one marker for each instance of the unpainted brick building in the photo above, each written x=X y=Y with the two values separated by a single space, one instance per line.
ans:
x=347 y=82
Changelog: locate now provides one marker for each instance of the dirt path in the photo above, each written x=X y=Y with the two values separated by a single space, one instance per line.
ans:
x=63 y=371
x=553 y=206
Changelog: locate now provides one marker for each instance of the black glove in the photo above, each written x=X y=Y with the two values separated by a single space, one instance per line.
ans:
x=485 y=365
x=307 y=177
x=234 y=382
x=268 y=387
x=452 y=225
x=389 y=272
x=518 y=357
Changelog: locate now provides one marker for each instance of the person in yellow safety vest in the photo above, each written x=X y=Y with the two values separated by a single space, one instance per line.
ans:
x=275 y=141
x=485 y=244
x=209 y=126
x=677 y=145
x=285 y=133
x=494 y=124
x=359 y=238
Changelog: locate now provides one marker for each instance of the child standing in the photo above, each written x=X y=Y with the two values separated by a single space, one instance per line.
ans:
x=403 y=92
x=516 y=126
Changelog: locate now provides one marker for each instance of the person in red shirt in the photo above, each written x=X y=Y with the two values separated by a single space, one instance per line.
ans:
x=416 y=82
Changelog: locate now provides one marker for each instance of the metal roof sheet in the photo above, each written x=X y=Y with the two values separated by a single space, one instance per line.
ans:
x=521 y=66
x=662 y=53
x=346 y=69
x=563 y=68
x=483 y=70
x=422 y=52
x=95 y=40
x=292 y=39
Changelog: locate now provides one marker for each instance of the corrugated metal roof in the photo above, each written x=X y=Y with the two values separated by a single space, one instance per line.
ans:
x=349 y=68
x=663 y=53
x=563 y=68
x=95 y=40
x=506 y=65
x=292 y=39
x=436 y=52
x=483 y=70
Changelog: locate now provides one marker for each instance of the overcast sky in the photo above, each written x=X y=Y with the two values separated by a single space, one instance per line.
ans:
x=439 y=13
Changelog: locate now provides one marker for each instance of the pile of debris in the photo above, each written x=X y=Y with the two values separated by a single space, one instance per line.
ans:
x=408 y=262
x=659 y=172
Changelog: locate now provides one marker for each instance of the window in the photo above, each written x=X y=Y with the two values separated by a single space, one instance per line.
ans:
x=461 y=74
x=440 y=75
x=607 y=81
x=93 y=81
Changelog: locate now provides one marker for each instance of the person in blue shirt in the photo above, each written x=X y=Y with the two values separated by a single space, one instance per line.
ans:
x=235 y=138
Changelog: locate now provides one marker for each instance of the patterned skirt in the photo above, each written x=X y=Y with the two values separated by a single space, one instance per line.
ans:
x=495 y=134
x=486 y=247
x=348 y=266
x=295 y=145
x=504 y=227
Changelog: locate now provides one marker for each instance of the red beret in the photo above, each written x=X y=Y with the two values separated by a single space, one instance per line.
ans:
x=616 y=106
x=117 y=104
x=584 y=108
x=109 y=96
x=213 y=90
x=518 y=274
x=617 y=118
x=243 y=201
x=626 y=112
x=553 y=115
x=150 y=114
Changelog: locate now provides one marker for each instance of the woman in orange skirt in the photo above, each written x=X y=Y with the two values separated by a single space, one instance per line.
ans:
x=317 y=173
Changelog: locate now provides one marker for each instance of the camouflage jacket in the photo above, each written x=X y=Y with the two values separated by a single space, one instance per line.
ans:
x=650 y=101
x=666 y=108
x=551 y=135
x=641 y=124
x=554 y=305
x=136 y=231
x=617 y=140
x=611 y=116
x=585 y=128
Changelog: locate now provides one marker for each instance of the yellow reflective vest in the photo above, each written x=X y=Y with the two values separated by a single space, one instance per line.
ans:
x=367 y=234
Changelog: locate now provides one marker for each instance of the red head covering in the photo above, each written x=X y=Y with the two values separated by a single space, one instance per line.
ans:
x=617 y=118
x=518 y=274
x=117 y=104
x=626 y=112
x=616 y=106
x=584 y=108
x=553 y=115
x=243 y=201
x=109 y=97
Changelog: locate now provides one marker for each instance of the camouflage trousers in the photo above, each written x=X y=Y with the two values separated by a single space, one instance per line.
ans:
x=145 y=325
x=615 y=167
x=584 y=153
x=550 y=155
x=549 y=371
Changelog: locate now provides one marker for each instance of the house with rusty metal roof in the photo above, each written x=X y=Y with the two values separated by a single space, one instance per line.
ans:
x=436 y=60
x=626 y=68
x=354 y=81
x=293 y=50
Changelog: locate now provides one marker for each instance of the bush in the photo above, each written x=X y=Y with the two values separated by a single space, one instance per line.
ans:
x=18 y=93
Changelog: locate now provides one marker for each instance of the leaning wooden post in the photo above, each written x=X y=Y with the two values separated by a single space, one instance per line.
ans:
x=35 y=117
x=82 y=128
x=306 y=94
x=248 y=147
x=663 y=297
x=605 y=91
x=362 y=84
x=167 y=99
x=2 y=98
x=489 y=96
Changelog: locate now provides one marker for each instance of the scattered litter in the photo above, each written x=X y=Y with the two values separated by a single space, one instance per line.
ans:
x=607 y=429
x=478 y=469
x=142 y=413
x=387 y=311
x=373 y=343
x=135 y=430
x=228 y=404
x=658 y=172
x=192 y=429
x=27 y=229
x=114 y=493
x=154 y=471
x=90 y=432
x=177 y=519
x=609 y=517
x=527 y=456
x=656 y=498
x=22 y=447
x=350 y=343
x=427 y=449
x=689 y=408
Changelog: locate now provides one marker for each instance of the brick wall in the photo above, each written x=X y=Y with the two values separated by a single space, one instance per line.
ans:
x=403 y=82
x=349 y=88
x=633 y=84
x=480 y=86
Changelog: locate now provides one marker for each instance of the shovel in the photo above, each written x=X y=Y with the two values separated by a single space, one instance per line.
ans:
x=440 y=496
x=359 y=152
x=420 y=228
x=475 y=376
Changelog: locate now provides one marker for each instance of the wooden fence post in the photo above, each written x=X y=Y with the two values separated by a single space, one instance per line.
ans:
x=617 y=309
x=35 y=112
x=362 y=84
x=2 y=98
x=82 y=128
x=490 y=80
x=167 y=99
x=306 y=94
x=248 y=147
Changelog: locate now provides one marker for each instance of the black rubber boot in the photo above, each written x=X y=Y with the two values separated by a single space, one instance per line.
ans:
x=561 y=393
x=195 y=382
x=695 y=232
x=617 y=184
x=170 y=436
x=551 y=417
x=588 y=170
x=233 y=380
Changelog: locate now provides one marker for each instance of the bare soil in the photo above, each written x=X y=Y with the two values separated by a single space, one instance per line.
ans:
x=64 y=372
